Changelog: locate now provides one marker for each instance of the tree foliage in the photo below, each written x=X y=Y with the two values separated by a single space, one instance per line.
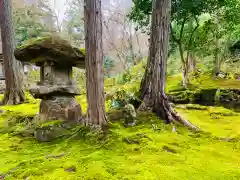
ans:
x=181 y=9
x=32 y=20
x=74 y=24
x=188 y=29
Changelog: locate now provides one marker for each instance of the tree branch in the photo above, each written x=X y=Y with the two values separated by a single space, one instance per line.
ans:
x=178 y=40
x=119 y=52
x=182 y=28
x=173 y=36
x=191 y=36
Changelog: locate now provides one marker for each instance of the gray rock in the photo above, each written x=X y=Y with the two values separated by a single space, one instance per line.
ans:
x=55 y=156
x=71 y=169
x=1 y=111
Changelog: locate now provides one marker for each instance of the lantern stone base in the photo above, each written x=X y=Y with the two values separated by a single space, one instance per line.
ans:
x=60 y=108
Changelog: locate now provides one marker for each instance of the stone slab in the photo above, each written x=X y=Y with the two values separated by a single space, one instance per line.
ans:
x=41 y=91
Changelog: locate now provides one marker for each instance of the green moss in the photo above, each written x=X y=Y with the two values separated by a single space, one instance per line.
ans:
x=83 y=102
x=148 y=151
x=219 y=121
x=32 y=41
x=51 y=123
x=203 y=89
x=193 y=107
x=83 y=51
x=204 y=81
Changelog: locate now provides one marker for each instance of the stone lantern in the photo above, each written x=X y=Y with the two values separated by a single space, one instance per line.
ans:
x=56 y=58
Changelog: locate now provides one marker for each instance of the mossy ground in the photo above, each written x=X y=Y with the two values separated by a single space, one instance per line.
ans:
x=148 y=151
x=203 y=82
x=174 y=83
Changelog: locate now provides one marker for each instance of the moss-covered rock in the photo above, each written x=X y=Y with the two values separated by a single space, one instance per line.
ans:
x=49 y=133
x=206 y=96
x=129 y=115
x=115 y=115
x=52 y=130
x=27 y=125
x=181 y=97
x=227 y=95
x=50 y=48
x=210 y=96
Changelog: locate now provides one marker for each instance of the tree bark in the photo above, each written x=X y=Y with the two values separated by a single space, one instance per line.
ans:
x=217 y=59
x=138 y=43
x=217 y=62
x=130 y=42
x=13 y=69
x=184 y=67
x=185 y=76
x=94 y=63
x=185 y=80
x=191 y=62
x=153 y=83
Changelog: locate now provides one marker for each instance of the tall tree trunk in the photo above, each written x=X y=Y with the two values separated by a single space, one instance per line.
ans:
x=217 y=60
x=191 y=62
x=184 y=67
x=13 y=69
x=138 y=43
x=153 y=94
x=94 y=63
x=130 y=41
x=185 y=75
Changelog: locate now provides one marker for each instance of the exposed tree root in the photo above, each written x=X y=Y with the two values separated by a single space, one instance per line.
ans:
x=13 y=97
x=164 y=110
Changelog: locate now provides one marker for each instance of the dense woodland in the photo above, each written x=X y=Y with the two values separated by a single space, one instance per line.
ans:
x=120 y=89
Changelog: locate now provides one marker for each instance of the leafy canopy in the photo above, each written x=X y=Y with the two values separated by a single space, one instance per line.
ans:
x=181 y=9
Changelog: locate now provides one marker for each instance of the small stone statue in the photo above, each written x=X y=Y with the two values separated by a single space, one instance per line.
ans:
x=129 y=115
